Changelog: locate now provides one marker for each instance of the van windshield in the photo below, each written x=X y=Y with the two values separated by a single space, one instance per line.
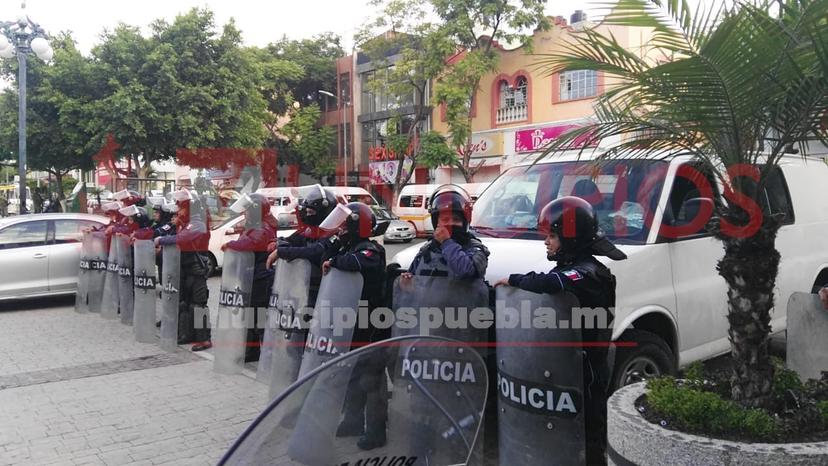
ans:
x=363 y=198
x=623 y=193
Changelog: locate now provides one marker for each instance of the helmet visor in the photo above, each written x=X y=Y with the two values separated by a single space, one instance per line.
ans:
x=242 y=204
x=111 y=206
x=121 y=195
x=336 y=218
x=182 y=195
x=129 y=211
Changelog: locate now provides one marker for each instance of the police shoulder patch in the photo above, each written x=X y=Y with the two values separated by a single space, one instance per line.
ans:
x=165 y=227
x=367 y=253
x=572 y=274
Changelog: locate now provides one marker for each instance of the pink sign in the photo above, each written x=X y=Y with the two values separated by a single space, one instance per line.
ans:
x=534 y=140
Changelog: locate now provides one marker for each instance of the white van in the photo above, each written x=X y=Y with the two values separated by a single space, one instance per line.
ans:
x=412 y=204
x=670 y=300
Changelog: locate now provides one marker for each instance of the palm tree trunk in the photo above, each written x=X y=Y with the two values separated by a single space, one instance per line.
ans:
x=750 y=266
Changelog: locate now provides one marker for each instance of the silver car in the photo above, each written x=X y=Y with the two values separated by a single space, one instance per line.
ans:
x=39 y=253
x=398 y=230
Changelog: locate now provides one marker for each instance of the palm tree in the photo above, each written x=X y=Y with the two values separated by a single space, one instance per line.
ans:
x=735 y=86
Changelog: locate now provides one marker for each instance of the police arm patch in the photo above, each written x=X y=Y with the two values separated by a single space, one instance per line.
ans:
x=367 y=253
x=573 y=275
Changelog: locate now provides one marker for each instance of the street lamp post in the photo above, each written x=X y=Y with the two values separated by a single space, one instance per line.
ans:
x=344 y=105
x=22 y=37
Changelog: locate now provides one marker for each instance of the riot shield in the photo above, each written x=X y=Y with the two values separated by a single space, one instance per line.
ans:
x=539 y=379
x=443 y=307
x=234 y=313
x=125 y=287
x=287 y=315
x=144 y=286
x=84 y=272
x=170 y=286
x=299 y=427
x=807 y=327
x=334 y=316
x=110 y=302
x=266 y=350
x=98 y=264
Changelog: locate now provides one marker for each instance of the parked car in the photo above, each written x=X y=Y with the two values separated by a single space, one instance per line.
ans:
x=670 y=300
x=398 y=230
x=39 y=253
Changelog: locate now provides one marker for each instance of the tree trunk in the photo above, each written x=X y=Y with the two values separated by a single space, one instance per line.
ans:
x=750 y=266
x=59 y=182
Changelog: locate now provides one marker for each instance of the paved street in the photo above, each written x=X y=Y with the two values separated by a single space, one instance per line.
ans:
x=78 y=389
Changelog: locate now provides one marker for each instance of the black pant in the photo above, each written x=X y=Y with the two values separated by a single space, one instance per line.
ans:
x=595 y=400
x=260 y=295
x=193 y=293
x=366 y=399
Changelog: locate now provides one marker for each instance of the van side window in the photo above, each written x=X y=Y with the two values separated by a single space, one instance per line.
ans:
x=682 y=205
x=411 y=201
x=776 y=199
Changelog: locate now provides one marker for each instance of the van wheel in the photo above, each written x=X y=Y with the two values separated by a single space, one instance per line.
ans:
x=650 y=358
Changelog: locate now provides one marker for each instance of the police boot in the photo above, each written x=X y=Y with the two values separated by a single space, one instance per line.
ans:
x=373 y=438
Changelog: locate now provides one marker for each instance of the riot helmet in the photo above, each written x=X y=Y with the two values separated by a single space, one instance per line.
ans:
x=355 y=221
x=137 y=214
x=449 y=202
x=317 y=203
x=573 y=220
x=255 y=208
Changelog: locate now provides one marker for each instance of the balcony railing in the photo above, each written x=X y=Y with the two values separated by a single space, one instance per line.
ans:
x=512 y=114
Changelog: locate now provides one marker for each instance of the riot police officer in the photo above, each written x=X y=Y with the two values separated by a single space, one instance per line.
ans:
x=260 y=229
x=309 y=241
x=366 y=402
x=193 y=239
x=573 y=241
x=139 y=217
x=162 y=217
x=453 y=251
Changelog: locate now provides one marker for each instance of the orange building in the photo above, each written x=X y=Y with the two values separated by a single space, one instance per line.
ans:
x=521 y=107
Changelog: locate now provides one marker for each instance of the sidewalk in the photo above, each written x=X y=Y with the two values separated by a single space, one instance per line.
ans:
x=78 y=389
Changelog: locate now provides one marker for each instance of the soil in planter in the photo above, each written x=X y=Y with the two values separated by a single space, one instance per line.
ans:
x=799 y=414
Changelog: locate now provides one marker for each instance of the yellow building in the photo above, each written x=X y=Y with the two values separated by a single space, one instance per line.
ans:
x=521 y=107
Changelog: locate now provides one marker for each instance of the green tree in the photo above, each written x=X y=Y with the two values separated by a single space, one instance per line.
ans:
x=308 y=144
x=185 y=86
x=448 y=43
x=734 y=86
x=55 y=137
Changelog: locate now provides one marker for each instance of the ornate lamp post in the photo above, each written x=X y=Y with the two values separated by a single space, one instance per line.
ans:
x=22 y=37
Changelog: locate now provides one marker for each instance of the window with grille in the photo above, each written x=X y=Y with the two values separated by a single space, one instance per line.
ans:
x=578 y=84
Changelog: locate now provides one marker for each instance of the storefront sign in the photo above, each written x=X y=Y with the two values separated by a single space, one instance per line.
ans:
x=534 y=140
x=386 y=172
x=485 y=145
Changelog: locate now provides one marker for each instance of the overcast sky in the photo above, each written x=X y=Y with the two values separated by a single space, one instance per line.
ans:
x=261 y=21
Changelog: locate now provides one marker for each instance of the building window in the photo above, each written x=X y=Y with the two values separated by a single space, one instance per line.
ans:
x=513 y=101
x=578 y=84
x=344 y=89
x=375 y=99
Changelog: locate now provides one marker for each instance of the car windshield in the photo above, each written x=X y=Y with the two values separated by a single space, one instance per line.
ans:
x=623 y=194
x=383 y=214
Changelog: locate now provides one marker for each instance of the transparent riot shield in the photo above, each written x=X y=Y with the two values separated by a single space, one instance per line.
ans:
x=539 y=380
x=434 y=414
x=807 y=327
x=234 y=313
x=144 y=290
x=286 y=315
x=98 y=264
x=126 y=298
x=110 y=302
x=334 y=317
x=266 y=350
x=84 y=272
x=446 y=307
x=170 y=286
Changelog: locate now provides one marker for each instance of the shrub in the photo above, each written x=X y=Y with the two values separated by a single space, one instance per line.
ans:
x=697 y=410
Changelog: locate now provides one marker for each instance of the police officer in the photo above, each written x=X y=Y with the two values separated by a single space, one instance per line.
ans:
x=309 y=241
x=193 y=239
x=573 y=241
x=138 y=217
x=162 y=218
x=366 y=403
x=260 y=229
x=453 y=251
